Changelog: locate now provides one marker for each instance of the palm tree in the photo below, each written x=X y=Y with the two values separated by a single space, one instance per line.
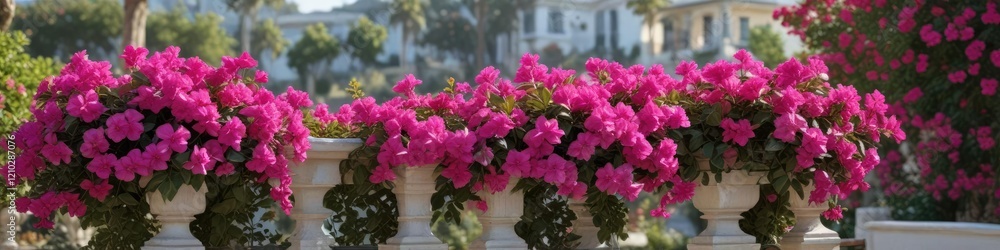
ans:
x=409 y=14
x=647 y=9
x=247 y=9
x=134 y=31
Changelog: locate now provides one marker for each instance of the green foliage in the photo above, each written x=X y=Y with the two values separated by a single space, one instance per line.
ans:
x=60 y=27
x=366 y=40
x=460 y=236
x=267 y=37
x=202 y=37
x=20 y=75
x=316 y=47
x=365 y=213
x=546 y=218
x=409 y=13
x=766 y=45
x=450 y=32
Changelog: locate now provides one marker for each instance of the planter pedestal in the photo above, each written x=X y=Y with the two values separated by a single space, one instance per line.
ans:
x=505 y=210
x=414 y=186
x=809 y=232
x=175 y=218
x=584 y=226
x=722 y=204
x=310 y=181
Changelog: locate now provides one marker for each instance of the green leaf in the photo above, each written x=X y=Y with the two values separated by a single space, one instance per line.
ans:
x=704 y=179
x=226 y=206
x=127 y=199
x=234 y=156
x=774 y=145
x=797 y=185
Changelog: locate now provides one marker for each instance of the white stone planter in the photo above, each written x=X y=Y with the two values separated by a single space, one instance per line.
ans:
x=505 y=210
x=414 y=186
x=311 y=180
x=931 y=235
x=175 y=217
x=864 y=215
x=584 y=226
x=722 y=202
x=809 y=232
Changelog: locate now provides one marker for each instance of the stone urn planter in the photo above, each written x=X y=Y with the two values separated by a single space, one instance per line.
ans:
x=505 y=210
x=175 y=218
x=311 y=179
x=414 y=187
x=584 y=226
x=809 y=232
x=722 y=202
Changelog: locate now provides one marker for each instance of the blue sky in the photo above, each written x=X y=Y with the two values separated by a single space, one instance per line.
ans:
x=306 y=6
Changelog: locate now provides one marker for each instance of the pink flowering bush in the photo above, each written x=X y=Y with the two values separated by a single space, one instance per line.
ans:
x=599 y=138
x=98 y=143
x=788 y=122
x=938 y=62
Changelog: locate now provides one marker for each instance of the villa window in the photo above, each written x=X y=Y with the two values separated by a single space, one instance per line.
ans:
x=529 y=21
x=668 y=35
x=744 y=30
x=599 y=31
x=708 y=34
x=556 y=22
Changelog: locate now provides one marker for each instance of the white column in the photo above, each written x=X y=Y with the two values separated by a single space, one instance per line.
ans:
x=584 y=226
x=505 y=210
x=414 y=186
x=175 y=217
x=722 y=202
x=809 y=232
x=311 y=180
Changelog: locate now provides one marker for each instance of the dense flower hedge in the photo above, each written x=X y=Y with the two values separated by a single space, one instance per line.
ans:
x=172 y=121
x=612 y=133
x=938 y=63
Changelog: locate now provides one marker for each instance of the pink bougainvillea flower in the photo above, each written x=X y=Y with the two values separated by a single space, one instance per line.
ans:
x=94 y=143
x=459 y=176
x=125 y=125
x=517 y=163
x=85 y=105
x=176 y=139
x=813 y=145
x=989 y=86
x=232 y=133
x=260 y=77
x=786 y=125
x=99 y=191
x=199 y=162
x=57 y=153
x=157 y=155
x=481 y=205
x=262 y=157
x=737 y=132
x=407 y=85
x=225 y=168
x=102 y=165
x=380 y=174
x=133 y=55
x=835 y=213
x=546 y=131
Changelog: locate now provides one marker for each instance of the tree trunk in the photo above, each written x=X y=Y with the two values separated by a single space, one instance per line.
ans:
x=402 y=52
x=481 y=12
x=246 y=24
x=134 y=31
x=652 y=44
x=6 y=14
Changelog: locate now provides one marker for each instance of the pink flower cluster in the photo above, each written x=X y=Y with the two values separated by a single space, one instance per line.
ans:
x=546 y=151
x=799 y=96
x=118 y=129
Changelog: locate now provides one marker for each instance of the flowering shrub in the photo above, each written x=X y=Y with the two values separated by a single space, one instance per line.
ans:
x=19 y=77
x=615 y=132
x=790 y=123
x=98 y=143
x=939 y=63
